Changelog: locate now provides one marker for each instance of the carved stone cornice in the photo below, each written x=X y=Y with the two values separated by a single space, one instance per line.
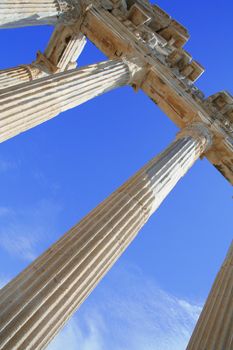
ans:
x=148 y=33
x=220 y=106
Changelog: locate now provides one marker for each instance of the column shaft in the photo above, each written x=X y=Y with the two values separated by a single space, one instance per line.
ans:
x=214 y=329
x=27 y=105
x=37 y=303
x=21 y=13
x=18 y=75
x=62 y=52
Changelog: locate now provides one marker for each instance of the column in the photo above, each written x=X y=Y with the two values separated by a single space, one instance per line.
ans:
x=64 y=48
x=37 y=303
x=19 y=75
x=21 y=13
x=214 y=329
x=27 y=105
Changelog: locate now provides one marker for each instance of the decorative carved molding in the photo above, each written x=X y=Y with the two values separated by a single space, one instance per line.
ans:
x=70 y=11
x=171 y=71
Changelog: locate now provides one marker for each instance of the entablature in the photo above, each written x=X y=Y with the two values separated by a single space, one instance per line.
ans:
x=171 y=71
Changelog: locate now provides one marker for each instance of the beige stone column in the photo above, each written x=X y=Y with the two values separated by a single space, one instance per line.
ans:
x=37 y=303
x=19 y=75
x=27 y=105
x=64 y=48
x=214 y=329
x=21 y=13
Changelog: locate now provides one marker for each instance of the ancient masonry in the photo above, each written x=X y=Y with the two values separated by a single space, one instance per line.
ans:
x=145 y=49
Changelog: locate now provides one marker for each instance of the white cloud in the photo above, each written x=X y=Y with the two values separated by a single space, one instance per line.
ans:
x=133 y=314
x=22 y=230
x=72 y=338
x=22 y=245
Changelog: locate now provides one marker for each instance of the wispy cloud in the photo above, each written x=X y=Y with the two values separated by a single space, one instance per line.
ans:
x=18 y=243
x=6 y=165
x=73 y=338
x=133 y=314
x=5 y=211
x=23 y=229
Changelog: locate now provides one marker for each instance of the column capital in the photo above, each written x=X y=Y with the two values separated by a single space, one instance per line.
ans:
x=137 y=70
x=199 y=132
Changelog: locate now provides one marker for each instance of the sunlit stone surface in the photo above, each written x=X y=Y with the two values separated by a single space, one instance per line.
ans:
x=214 y=330
x=37 y=303
x=145 y=50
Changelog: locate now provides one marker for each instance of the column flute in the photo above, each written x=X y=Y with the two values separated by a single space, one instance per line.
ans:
x=214 y=329
x=64 y=47
x=61 y=54
x=37 y=303
x=43 y=99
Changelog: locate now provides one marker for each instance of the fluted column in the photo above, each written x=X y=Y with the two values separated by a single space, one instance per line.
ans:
x=19 y=75
x=27 y=105
x=64 y=48
x=21 y=13
x=37 y=303
x=214 y=329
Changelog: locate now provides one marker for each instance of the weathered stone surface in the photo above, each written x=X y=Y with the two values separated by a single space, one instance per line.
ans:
x=220 y=109
x=62 y=52
x=214 y=330
x=37 y=303
x=138 y=29
x=158 y=42
x=19 y=75
x=65 y=47
x=27 y=105
x=21 y=13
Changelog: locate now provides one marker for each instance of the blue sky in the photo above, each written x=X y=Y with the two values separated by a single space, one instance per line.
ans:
x=54 y=174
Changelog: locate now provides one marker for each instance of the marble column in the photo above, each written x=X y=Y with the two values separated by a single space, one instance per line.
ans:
x=64 y=48
x=37 y=303
x=61 y=54
x=21 y=13
x=27 y=105
x=214 y=329
x=20 y=74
